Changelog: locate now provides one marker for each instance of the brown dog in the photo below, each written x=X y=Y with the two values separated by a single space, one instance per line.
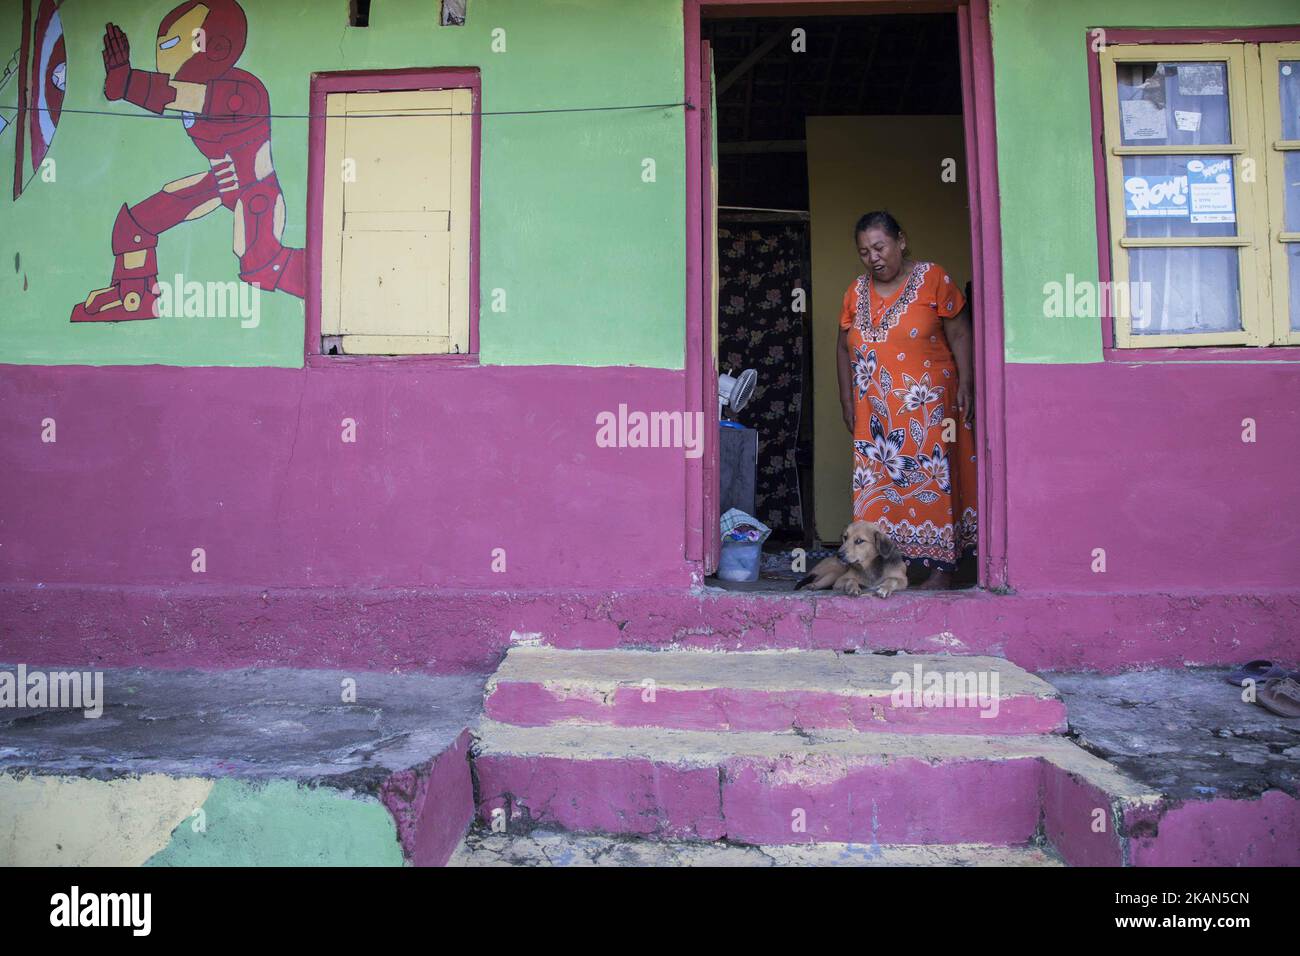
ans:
x=868 y=560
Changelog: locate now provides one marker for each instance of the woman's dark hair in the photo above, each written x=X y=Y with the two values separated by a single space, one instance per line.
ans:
x=878 y=220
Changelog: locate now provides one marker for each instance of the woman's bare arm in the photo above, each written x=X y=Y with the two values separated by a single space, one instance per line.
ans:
x=961 y=339
x=845 y=371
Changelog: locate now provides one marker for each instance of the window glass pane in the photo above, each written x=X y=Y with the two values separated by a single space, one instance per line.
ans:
x=1179 y=196
x=1293 y=261
x=1183 y=104
x=1184 y=290
x=1291 y=184
x=1289 y=80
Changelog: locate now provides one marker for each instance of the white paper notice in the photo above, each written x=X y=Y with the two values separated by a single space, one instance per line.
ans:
x=1200 y=79
x=1187 y=121
x=1143 y=120
x=1212 y=202
x=1211 y=189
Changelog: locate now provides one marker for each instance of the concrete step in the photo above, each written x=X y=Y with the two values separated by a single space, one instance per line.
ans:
x=240 y=768
x=773 y=691
x=806 y=787
x=558 y=848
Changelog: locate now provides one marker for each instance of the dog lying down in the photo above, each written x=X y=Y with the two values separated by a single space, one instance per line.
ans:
x=868 y=560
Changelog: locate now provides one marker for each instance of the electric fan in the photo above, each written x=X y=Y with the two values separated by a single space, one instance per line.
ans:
x=736 y=392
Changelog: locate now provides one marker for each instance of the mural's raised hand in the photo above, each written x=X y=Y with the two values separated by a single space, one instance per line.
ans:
x=117 y=61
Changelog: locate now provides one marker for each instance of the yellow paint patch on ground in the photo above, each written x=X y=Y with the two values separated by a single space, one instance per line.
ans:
x=71 y=821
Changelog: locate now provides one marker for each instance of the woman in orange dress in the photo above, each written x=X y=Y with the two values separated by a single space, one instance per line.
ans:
x=907 y=391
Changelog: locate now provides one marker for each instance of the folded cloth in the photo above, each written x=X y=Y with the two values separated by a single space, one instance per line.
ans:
x=738 y=526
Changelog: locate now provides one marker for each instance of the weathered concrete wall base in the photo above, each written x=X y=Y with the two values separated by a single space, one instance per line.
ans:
x=1263 y=832
x=433 y=805
x=1081 y=820
x=468 y=631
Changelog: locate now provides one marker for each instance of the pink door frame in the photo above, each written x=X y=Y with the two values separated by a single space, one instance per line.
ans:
x=986 y=259
x=383 y=81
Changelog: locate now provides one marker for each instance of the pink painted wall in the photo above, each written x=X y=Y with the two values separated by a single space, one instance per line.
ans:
x=1147 y=462
x=1259 y=832
x=1144 y=461
x=249 y=464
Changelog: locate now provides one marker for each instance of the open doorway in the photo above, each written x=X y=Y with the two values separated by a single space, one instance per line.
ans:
x=818 y=120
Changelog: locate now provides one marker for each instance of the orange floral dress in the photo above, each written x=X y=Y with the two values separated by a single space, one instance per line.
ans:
x=918 y=487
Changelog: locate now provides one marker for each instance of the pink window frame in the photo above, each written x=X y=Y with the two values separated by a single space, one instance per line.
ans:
x=322 y=84
x=1187 y=353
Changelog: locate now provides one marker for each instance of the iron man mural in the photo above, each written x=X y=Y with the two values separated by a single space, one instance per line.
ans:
x=225 y=111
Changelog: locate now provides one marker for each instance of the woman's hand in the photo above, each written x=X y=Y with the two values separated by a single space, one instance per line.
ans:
x=844 y=372
x=965 y=398
x=961 y=340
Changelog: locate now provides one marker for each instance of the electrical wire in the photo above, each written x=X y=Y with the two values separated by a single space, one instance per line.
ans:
x=351 y=116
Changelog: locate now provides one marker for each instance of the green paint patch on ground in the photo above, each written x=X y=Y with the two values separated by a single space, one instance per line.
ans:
x=282 y=823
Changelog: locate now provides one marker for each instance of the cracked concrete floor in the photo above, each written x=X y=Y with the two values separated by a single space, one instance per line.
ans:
x=552 y=848
x=1187 y=733
x=256 y=723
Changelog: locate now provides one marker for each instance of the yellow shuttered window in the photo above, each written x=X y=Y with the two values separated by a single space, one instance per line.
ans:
x=1203 y=192
x=397 y=222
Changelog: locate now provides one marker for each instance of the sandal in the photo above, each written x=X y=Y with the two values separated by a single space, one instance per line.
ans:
x=1260 y=671
x=1281 y=696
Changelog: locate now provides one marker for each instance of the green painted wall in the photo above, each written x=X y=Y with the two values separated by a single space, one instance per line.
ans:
x=591 y=258
x=1049 y=224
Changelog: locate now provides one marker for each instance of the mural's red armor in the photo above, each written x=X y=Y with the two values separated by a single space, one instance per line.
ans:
x=226 y=112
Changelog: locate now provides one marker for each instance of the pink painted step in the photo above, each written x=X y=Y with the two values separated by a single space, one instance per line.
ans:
x=786 y=788
x=772 y=691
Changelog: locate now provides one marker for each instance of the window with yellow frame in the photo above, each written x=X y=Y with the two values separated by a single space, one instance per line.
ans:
x=1202 y=145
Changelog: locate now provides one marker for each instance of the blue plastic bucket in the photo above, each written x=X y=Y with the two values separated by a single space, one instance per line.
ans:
x=740 y=560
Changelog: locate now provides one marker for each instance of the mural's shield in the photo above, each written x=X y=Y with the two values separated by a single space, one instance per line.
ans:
x=43 y=65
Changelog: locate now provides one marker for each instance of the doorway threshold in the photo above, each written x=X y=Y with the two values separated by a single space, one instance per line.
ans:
x=784 y=587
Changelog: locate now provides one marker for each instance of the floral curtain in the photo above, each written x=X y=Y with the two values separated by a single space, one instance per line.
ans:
x=760 y=265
